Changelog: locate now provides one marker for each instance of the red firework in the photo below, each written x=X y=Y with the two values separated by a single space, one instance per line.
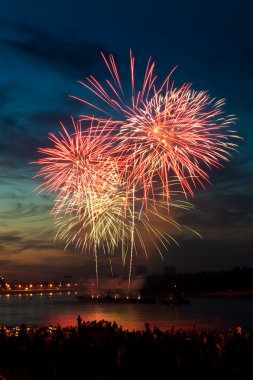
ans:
x=166 y=131
x=79 y=164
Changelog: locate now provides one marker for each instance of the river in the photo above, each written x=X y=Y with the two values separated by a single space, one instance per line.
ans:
x=204 y=313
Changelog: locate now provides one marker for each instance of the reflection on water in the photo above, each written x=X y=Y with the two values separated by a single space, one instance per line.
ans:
x=63 y=309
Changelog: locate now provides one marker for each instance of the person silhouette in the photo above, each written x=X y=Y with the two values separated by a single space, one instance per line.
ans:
x=79 y=323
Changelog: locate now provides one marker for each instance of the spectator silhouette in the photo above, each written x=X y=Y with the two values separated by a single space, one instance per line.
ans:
x=79 y=323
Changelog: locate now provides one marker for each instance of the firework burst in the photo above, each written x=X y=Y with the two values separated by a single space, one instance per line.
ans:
x=115 y=178
x=77 y=168
x=79 y=164
x=107 y=224
x=166 y=131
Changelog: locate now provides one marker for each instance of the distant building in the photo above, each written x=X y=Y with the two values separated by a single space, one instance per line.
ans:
x=68 y=278
x=170 y=271
x=141 y=270
x=2 y=283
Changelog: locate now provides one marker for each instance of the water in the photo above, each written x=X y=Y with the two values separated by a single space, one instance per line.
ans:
x=204 y=313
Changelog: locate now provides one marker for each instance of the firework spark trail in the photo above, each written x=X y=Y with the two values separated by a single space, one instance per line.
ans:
x=78 y=164
x=165 y=131
x=113 y=222
x=81 y=199
x=113 y=177
x=97 y=223
x=132 y=239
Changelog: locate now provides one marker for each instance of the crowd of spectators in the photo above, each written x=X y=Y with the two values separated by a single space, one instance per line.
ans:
x=103 y=350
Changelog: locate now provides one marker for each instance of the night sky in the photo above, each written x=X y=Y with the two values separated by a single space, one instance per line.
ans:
x=45 y=47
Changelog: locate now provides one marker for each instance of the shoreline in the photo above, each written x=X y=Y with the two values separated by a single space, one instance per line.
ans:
x=211 y=294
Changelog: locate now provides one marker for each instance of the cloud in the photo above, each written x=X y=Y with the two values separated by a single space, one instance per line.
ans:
x=16 y=242
x=6 y=93
x=62 y=54
x=18 y=145
x=23 y=210
x=207 y=255
x=223 y=211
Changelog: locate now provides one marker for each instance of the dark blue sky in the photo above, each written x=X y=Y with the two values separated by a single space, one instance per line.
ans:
x=45 y=47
